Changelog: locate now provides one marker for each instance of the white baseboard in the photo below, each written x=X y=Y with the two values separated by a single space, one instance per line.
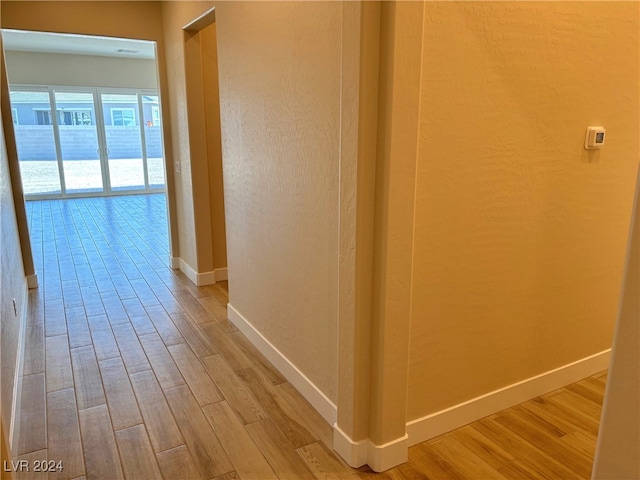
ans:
x=389 y=455
x=314 y=396
x=378 y=457
x=32 y=281
x=383 y=457
x=14 y=428
x=352 y=452
x=437 y=423
x=188 y=271
x=221 y=274
x=199 y=279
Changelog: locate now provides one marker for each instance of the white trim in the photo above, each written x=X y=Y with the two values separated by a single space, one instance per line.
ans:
x=354 y=453
x=188 y=271
x=389 y=455
x=221 y=274
x=174 y=262
x=314 y=396
x=14 y=428
x=201 y=21
x=430 y=426
x=378 y=457
x=32 y=281
x=199 y=279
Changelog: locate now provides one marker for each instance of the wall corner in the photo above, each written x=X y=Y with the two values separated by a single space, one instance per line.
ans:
x=378 y=457
x=352 y=452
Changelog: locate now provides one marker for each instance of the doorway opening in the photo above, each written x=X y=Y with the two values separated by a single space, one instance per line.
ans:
x=87 y=122
x=205 y=145
x=86 y=114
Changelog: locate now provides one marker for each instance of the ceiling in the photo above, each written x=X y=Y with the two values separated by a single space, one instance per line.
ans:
x=44 y=42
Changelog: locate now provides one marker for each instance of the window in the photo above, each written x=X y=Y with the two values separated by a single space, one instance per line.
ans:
x=65 y=117
x=123 y=117
x=155 y=115
x=74 y=117
x=43 y=117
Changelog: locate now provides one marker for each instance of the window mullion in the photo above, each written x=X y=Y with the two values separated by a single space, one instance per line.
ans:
x=56 y=136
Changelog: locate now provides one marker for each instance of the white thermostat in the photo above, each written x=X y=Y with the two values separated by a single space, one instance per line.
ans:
x=594 y=137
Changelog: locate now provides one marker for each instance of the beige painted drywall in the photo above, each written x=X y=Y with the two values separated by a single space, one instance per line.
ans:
x=13 y=286
x=137 y=20
x=279 y=68
x=198 y=165
x=358 y=149
x=80 y=70
x=618 y=451
x=520 y=233
x=189 y=145
x=211 y=98
x=400 y=57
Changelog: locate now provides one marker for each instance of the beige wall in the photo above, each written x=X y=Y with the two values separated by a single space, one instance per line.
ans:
x=618 y=452
x=499 y=241
x=12 y=279
x=279 y=67
x=136 y=20
x=189 y=145
x=80 y=70
x=211 y=101
x=398 y=114
x=520 y=232
x=358 y=150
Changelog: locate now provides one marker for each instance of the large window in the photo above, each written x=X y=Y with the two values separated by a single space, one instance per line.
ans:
x=99 y=142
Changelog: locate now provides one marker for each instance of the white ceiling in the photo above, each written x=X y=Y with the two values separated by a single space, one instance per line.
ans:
x=45 y=42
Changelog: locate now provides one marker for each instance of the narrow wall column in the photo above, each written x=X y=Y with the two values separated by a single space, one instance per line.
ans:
x=379 y=121
x=198 y=153
x=358 y=132
x=184 y=133
x=400 y=66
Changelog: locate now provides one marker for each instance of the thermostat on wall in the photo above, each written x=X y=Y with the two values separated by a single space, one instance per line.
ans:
x=594 y=138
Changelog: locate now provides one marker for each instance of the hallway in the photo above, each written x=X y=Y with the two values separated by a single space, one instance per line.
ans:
x=132 y=372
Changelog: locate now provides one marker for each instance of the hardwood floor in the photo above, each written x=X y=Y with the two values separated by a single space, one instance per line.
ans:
x=133 y=372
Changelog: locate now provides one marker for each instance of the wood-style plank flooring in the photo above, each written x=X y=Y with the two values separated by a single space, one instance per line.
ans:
x=132 y=372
